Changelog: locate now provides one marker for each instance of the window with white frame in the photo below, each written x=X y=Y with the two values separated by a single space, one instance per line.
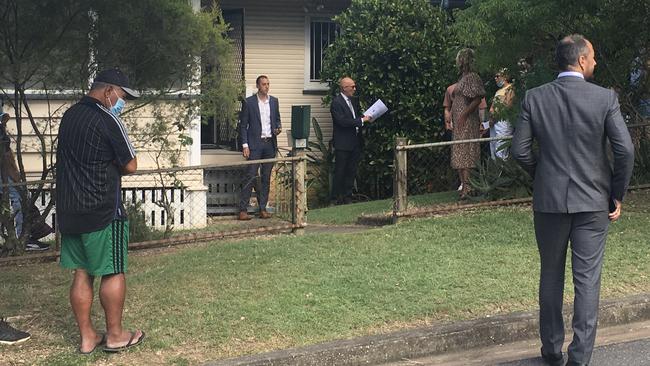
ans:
x=322 y=33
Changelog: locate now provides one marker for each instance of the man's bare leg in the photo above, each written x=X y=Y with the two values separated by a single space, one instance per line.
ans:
x=81 y=300
x=112 y=293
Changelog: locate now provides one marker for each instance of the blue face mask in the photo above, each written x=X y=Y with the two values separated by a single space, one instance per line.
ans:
x=500 y=83
x=119 y=106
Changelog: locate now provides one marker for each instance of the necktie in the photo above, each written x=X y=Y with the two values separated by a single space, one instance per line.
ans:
x=350 y=106
x=352 y=110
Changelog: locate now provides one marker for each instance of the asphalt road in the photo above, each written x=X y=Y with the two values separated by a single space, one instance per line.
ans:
x=634 y=353
x=622 y=345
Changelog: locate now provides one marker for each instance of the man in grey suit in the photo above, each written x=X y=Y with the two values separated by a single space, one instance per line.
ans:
x=575 y=192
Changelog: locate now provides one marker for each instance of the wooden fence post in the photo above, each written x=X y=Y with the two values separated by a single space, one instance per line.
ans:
x=399 y=180
x=299 y=192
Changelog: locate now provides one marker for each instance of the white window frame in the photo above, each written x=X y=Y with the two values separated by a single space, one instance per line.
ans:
x=308 y=83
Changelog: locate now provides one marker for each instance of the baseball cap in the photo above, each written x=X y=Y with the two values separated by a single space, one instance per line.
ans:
x=117 y=78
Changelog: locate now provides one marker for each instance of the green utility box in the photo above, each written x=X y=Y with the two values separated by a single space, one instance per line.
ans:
x=300 y=117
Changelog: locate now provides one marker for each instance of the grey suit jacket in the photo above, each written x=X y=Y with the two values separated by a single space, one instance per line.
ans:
x=572 y=120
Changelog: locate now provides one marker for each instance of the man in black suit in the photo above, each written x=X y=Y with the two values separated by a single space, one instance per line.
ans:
x=259 y=127
x=575 y=192
x=347 y=140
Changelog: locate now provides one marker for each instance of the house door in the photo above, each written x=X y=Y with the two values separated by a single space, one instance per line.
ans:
x=217 y=133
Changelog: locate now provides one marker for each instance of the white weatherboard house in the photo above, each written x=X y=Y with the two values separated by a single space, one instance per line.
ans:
x=283 y=39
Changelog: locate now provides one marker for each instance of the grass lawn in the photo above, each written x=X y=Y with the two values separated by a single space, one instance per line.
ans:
x=348 y=214
x=255 y=295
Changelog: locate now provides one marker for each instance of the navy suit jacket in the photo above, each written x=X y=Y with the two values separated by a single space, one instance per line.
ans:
x=572 y=121
x=346 y=137
x=250 y=126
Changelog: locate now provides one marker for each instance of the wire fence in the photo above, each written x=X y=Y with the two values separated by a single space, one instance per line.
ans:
x=424 y=177
x=168 y=205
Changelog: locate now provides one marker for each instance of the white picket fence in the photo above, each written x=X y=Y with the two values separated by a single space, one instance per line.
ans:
x=188 y=207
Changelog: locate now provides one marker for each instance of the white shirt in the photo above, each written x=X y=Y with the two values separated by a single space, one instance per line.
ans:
x=349 y=103
x=564 y=74
x=265 y=117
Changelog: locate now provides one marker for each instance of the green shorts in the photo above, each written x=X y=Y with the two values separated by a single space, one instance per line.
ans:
x=101 y=252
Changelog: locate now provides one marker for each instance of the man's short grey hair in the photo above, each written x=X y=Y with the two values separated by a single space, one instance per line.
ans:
x=569 y=50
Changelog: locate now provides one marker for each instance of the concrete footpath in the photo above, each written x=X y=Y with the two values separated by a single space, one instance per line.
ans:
x=437 y=339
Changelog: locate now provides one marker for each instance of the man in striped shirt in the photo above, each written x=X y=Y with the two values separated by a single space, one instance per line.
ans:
x=93 y=153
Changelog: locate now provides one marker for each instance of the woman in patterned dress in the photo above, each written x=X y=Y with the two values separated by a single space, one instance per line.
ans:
x=465 y=117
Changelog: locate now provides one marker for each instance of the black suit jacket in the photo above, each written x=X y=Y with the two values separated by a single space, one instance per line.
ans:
x=250 y=126
x=346 y=137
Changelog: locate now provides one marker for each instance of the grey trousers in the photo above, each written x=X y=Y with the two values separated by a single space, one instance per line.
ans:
x=587 y=232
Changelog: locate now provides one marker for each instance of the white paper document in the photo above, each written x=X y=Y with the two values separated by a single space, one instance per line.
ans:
x=376 y=110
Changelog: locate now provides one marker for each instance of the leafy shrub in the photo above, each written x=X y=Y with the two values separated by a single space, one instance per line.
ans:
x=500 y=179
x=138 y=229
x=321 y=165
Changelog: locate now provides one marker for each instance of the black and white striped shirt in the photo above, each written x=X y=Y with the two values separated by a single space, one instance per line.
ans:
x=92 y=146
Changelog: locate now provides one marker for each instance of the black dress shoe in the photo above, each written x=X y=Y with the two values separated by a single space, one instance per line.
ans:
x=553 y=359
x=573 y=363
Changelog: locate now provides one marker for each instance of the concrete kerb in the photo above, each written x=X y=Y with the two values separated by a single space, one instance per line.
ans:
x=426 y=341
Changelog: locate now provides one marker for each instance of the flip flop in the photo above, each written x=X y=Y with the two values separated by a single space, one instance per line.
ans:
x=127 y=346
x=100 y=343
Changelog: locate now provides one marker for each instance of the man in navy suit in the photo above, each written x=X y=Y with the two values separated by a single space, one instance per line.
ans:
x=347 y=138
x=260 y=124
